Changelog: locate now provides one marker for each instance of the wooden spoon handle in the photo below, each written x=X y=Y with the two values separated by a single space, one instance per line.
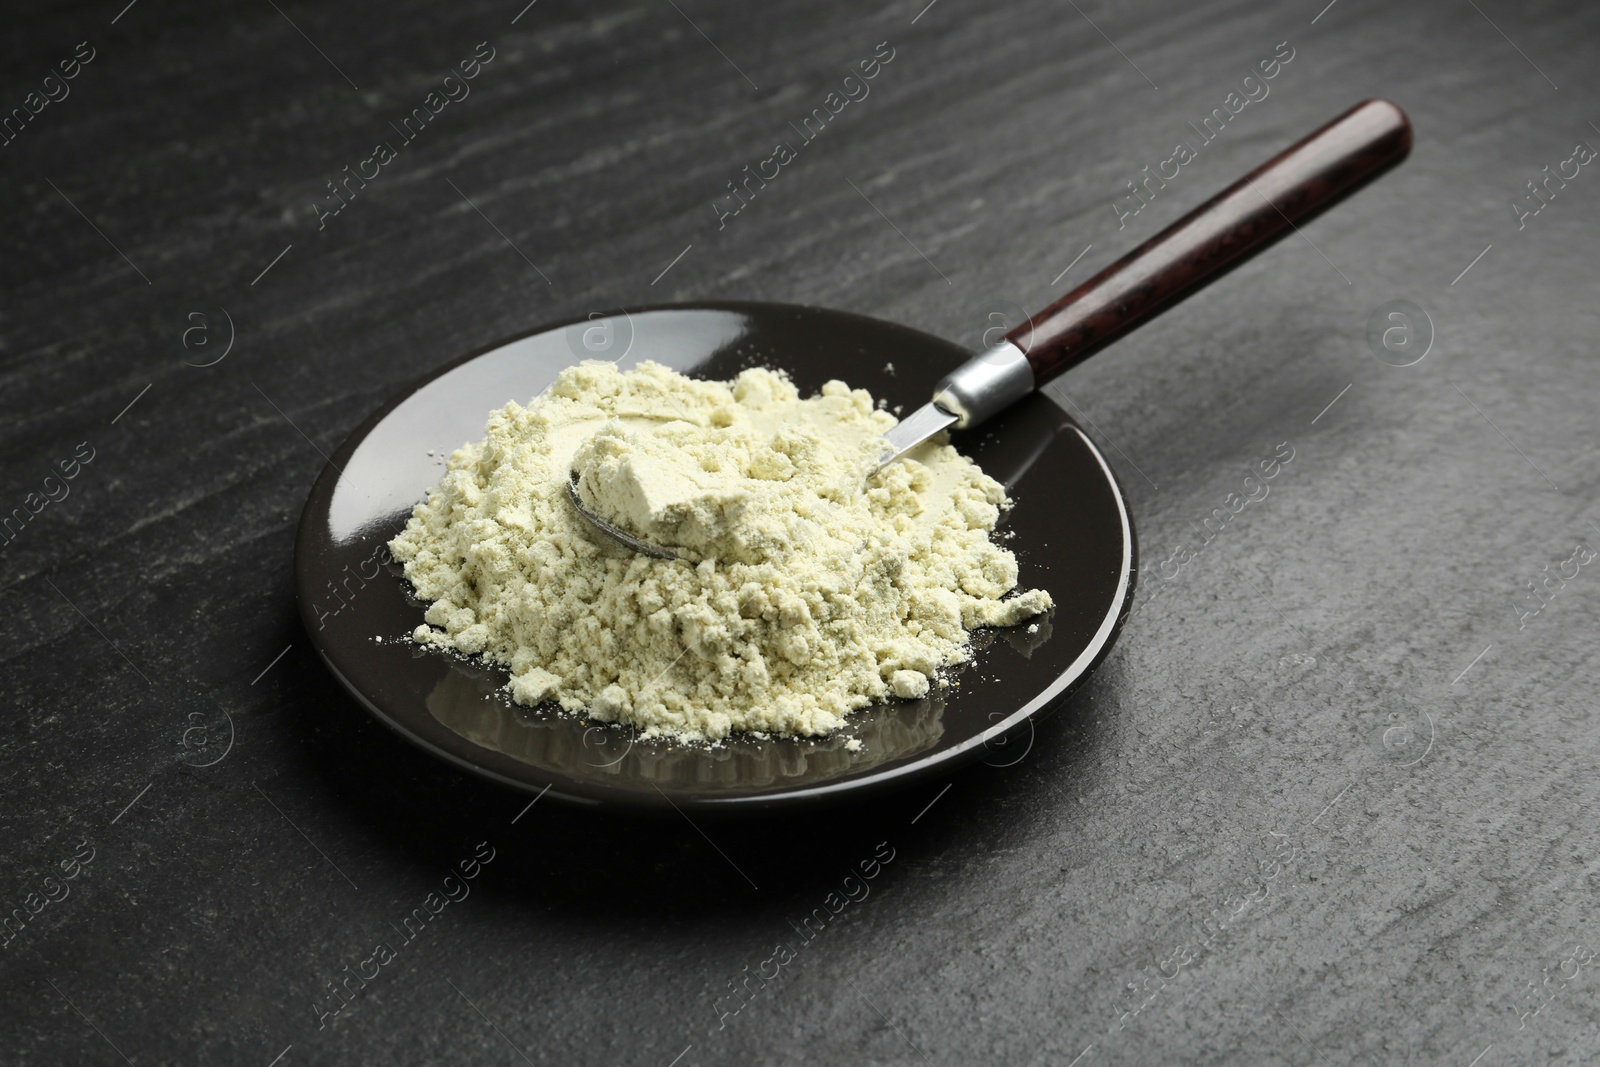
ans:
x=1216 y=236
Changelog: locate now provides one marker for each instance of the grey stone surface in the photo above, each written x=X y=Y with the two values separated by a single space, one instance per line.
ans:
x=1332 y=799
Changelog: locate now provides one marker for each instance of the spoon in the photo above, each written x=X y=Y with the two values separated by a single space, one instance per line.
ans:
x=1248 y=216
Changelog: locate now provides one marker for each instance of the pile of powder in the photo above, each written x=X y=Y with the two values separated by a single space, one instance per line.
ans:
x=807 y=590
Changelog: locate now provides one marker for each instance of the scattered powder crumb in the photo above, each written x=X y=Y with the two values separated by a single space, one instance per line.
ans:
x=1033 y=627
x=909 y=685
x=888 y=368
x=853 y=745
x=808 y=590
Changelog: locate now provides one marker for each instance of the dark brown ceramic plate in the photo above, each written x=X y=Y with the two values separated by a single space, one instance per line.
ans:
x=1070 y=531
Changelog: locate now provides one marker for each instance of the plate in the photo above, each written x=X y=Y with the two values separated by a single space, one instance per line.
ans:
x=1069 y=528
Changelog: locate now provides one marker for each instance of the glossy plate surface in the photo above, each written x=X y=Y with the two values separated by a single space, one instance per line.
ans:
x=1069 y=529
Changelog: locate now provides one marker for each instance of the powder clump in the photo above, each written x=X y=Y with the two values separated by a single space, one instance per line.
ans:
x=807 y=590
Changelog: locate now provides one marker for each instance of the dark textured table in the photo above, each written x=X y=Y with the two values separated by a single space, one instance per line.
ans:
x=1331 y=799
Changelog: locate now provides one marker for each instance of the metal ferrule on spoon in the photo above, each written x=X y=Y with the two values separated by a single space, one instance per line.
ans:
x=1205 y=244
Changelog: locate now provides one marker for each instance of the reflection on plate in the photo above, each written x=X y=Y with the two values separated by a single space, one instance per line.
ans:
x=472 y=703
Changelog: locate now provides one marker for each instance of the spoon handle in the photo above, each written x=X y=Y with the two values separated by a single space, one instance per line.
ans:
x=1215 y=237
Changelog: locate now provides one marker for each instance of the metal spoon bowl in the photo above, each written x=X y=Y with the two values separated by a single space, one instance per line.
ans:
x=616 y=533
